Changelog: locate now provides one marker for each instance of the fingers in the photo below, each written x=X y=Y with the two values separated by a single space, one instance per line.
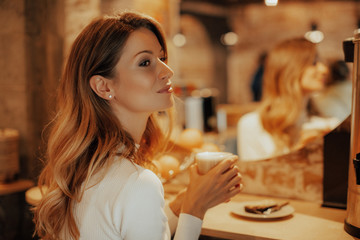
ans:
x=231 y=172
x=232 y=157
x=193 y=167
x=193 y=170
x=234 y=190
x=223 y=177
x=225 y=165
x=219 y=185
x=230 y=193
x=234 y=182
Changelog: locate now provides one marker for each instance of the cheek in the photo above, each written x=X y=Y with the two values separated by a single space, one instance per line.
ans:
x=135 y=91
x=137 y=85
x=306 y=79
x=311 y=80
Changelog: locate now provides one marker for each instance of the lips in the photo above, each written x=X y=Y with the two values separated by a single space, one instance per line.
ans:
x=166 y=89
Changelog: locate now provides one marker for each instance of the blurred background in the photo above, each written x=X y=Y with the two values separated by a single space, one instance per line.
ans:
x=214 y=49
x=213 y=44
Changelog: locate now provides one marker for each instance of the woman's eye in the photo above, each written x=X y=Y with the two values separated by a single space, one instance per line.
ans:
x=144 y=63
x=163 y=59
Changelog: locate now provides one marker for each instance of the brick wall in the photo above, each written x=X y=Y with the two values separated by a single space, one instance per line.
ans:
x=36 y=35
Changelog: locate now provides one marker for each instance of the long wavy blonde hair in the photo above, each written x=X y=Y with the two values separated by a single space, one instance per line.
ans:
x=85 y=135
x=283 y=98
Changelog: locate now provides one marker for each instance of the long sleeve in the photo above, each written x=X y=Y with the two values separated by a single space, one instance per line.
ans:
x=186 y=226
x=189 y=227
x=254 y=143
x=144 y=216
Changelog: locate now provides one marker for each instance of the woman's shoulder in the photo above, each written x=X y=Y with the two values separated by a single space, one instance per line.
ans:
x=130 y=173
x=126 y=192
x=125 y=181
x=250 y=119
x=251 y=115
x=141 y=186
x=145 y=177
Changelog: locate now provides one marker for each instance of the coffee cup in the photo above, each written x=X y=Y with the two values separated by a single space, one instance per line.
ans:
x=207 y=160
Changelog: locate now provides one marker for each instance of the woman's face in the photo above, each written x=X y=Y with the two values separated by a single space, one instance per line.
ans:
x=142 y=81
x=314 y=78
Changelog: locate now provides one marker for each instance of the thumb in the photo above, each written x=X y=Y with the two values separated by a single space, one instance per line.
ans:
x=193 y=170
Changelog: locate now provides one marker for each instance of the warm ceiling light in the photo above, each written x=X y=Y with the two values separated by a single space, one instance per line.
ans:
x=229 y=38
x=314 y=35
x=271 y=3
x=179 y=40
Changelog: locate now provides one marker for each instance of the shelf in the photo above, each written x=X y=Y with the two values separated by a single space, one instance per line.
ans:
x=16 y=186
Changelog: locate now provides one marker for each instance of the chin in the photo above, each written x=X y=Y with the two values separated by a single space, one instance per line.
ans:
x=170 y=104
x=316 y=88
x=170 y=101
x=167 y=104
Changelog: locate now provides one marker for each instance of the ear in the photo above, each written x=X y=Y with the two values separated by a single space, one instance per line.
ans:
x=101 y=87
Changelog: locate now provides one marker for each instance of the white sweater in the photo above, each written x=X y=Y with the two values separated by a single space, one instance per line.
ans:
x=254 y=143
x=128 y=203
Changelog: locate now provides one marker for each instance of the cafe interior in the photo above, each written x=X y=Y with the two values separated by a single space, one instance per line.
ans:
x=214 y=50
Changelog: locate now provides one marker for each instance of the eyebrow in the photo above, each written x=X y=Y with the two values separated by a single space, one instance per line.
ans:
x=145 y=51
x=148 y=51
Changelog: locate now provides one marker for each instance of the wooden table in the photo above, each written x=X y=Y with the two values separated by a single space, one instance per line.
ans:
x=309 y=221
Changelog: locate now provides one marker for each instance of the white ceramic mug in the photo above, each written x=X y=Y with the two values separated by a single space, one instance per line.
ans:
x=207 y=160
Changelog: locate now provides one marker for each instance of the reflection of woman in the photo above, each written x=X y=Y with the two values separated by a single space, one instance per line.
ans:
x=104 y=134
x=335 y=99
x=282 y=121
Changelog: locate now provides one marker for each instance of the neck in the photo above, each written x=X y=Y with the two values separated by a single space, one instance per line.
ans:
x=303 y=117
x=133 y=123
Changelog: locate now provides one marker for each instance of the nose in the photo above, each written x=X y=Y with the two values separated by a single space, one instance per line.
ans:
x=322 y=68
x=165 y=72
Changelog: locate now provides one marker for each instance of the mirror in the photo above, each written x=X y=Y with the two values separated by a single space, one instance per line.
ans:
x=296 y=175
x=335 y=99
x=316 y=172
x=287 y=119
x=255 y=35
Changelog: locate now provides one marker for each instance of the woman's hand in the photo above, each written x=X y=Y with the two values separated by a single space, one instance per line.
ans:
x=176 y=204
x=219 y=185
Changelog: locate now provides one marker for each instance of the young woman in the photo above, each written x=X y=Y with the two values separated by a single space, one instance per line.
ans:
x=335 y=99
x=282 y=122
x=104 y=136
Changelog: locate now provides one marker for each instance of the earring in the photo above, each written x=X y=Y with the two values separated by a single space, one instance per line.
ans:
x=110 y=96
